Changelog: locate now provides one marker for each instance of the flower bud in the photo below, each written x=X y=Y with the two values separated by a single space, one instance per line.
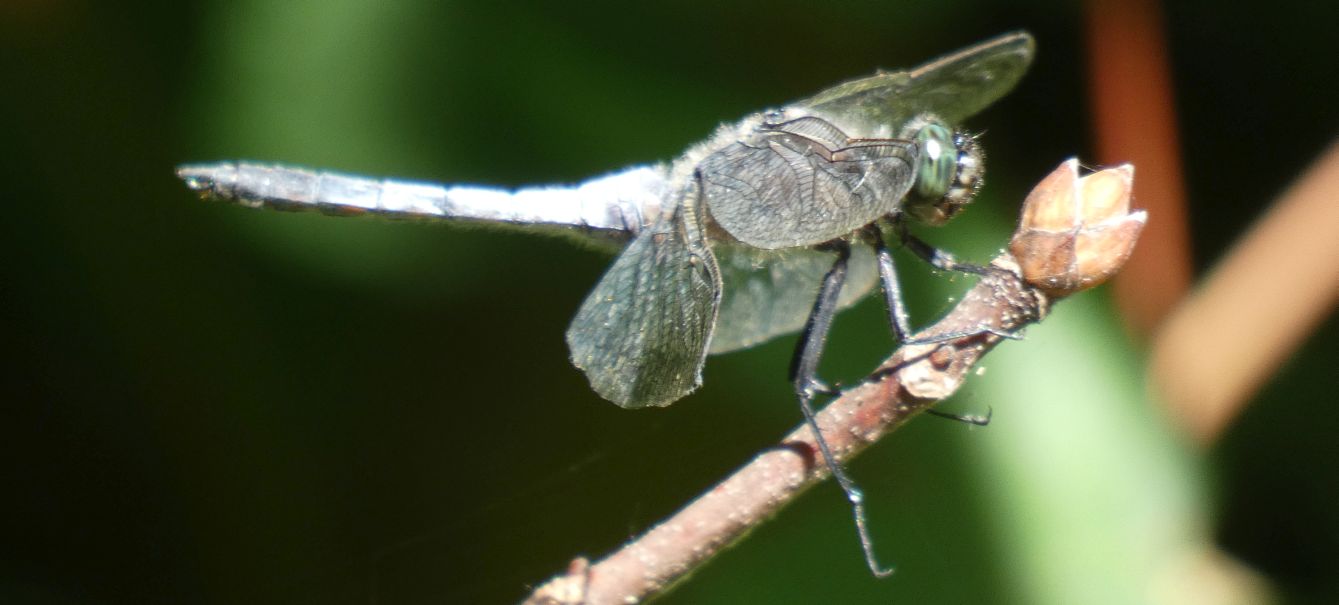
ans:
x=1076 y=233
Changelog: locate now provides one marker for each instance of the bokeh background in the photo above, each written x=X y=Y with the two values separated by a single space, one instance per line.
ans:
x=206 y=404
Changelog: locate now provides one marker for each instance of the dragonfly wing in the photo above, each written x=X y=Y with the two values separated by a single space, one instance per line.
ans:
x=952 y=87
x=642 y=334
x=786 y=190
x=770 y=293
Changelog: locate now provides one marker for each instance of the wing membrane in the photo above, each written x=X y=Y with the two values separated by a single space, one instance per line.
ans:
x=952 y=87
x=768 y=294
x=786 y=189
x=641 y=336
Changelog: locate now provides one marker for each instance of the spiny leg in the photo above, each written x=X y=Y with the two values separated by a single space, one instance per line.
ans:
x=937 y=258
x=898 y=319
x=972 y=419
x=944 y=261
x=803 y=375
x=804 y=364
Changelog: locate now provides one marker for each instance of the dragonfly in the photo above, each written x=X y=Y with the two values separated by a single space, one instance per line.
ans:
x=768 y=227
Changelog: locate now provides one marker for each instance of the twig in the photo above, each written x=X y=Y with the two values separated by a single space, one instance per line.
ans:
x=1045 y=263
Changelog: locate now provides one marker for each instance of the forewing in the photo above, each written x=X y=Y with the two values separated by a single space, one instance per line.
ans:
x=952 y=87
x=786 y=190
x=770 y=293
x=641 y=336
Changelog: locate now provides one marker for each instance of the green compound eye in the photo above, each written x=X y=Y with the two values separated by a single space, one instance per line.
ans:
x=938 y=161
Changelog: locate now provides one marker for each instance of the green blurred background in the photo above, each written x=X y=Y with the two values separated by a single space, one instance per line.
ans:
x=205 y=404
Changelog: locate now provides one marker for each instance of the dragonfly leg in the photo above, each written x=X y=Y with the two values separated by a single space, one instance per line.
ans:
x=972 y=419
x=803 y=374
x=939 y=259
x=804 y=365
x=944 y=261
x=898 y=319
x=960 y=334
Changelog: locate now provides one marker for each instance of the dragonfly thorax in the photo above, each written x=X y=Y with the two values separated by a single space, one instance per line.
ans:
x=950 y=169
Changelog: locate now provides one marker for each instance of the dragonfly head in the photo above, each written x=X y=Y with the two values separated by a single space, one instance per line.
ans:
x=950 y=168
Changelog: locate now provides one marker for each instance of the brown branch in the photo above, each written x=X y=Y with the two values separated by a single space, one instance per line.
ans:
x=1045 y=263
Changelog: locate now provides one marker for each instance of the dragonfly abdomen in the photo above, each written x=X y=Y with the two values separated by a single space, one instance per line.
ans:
x=622 y=201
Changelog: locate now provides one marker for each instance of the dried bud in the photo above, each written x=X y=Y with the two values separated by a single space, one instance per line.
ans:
x=1077 y=232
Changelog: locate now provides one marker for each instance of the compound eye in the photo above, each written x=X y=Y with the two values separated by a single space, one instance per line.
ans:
x=938 y=161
